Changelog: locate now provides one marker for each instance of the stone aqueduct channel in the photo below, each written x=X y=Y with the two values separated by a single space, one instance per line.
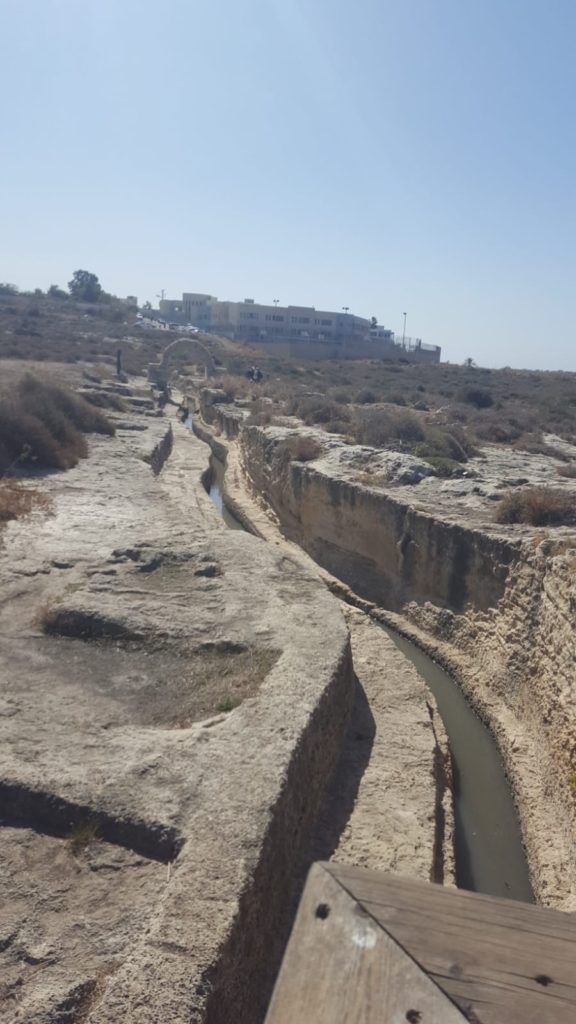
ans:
x=494 y=605
x=183 y=731
x=190 y=716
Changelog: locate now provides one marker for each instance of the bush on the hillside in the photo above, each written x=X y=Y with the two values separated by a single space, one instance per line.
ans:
x=366 y=397
x=478 y=397
x=105 y=400
x=497 y=429
x=44 y=399
x=316 y=409
x=340 y=396
x=301 y=448
x=337 y=427
x=569 y=470
x=54 y=292
x=43 y=425
x=236 y=386
x=85 y=286
x=444 y=444
x=539 y=506
x=379 y=428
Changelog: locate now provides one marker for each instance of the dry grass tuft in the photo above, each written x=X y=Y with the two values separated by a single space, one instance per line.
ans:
x=301 y=448
x=83 y=835
x=236 y=386
x=18 y=501
x=382 y=427
x=538 y=506
x=42 y=424
x=213 y=681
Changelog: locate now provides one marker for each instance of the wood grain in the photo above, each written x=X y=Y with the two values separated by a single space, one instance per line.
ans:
x=341 y=967
x=501 y=961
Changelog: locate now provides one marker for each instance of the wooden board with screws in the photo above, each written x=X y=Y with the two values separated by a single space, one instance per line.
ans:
x=368 y=947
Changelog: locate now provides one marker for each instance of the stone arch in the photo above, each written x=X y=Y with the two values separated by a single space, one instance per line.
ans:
x=158 y=373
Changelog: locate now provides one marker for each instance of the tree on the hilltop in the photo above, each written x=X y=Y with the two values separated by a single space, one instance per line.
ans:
x=54 y=292
x=85 y=286
x=469 y=363
x=8 y=289
x=373 y=321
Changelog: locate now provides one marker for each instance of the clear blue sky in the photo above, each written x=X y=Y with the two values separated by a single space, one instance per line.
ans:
x=386 y=155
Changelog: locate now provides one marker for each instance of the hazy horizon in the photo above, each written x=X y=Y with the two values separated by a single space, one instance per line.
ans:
x=386 y=156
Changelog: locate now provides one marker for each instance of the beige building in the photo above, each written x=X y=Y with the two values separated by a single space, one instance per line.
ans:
x=296 y=331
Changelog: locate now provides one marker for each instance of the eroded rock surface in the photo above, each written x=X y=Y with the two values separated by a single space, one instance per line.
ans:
x=495 y=602
x=185 y=689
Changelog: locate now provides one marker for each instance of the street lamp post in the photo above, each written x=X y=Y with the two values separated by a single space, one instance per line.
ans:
x=275 y=301
x=404 y=330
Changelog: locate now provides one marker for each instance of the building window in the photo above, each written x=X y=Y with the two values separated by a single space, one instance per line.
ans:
x=325 y=323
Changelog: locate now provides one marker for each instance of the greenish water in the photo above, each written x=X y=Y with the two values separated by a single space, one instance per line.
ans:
x=490 y=856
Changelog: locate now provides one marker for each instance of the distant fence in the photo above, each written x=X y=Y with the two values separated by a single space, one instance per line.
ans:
x=411 y=344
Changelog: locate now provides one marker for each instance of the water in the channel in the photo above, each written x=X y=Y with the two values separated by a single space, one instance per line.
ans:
x=490 y=856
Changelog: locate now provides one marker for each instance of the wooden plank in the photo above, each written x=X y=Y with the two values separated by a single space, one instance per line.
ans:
x=340 y=967
x=501 y=961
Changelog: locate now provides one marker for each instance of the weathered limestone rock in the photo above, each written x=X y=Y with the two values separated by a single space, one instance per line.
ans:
x=495 y=603
x=122 y=719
